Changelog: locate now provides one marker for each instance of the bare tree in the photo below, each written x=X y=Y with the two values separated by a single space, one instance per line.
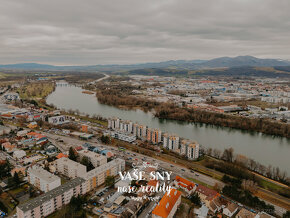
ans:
x=209 y=151
x=269 y=172
x=241 y=160
x=228 y=154
x=261 y=169
x=216 y=153
x=252 y=165
x=250 y=185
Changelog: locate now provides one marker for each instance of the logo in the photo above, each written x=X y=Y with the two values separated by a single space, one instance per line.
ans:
x=145 y=180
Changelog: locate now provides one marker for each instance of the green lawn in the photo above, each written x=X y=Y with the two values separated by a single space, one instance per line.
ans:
x=201 y=183
x=270 y=185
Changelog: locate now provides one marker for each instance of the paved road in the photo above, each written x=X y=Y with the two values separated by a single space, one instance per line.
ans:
x=73 y=142
x=69 y=141
x=98 y=80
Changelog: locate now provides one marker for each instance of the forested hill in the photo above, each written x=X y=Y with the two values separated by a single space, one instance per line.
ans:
x=233 y=71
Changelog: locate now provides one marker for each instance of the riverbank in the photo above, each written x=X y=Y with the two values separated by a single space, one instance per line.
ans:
x=275 y=150
x=266 y=188
x=174 y=112
x=37 y=92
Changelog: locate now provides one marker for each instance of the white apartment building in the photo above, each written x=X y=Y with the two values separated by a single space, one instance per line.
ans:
x=126 y=126
x=135 y=129
x=51 y=201
x=42 y=179
x=95 y=158
x=190 y=149
x=97 y=176
x=70 y=168
x=171 y=142
x=141 y=132
x=114 y=123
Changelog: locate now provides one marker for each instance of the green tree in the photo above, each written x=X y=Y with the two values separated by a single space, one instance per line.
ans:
x=110 y=181
x=86 y=162
x=16 y=179
x=194 y=198
x=5 y=169
x=105 y=139
x=76 y=203
x=71 y=154
x=287 y=214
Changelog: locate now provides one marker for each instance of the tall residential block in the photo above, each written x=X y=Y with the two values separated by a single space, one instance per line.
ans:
x=70 y=168
x=42 y=179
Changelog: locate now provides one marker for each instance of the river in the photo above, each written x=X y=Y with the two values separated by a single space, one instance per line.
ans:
x=263 y=148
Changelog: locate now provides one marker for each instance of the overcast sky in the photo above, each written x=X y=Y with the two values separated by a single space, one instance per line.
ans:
x=83 y=32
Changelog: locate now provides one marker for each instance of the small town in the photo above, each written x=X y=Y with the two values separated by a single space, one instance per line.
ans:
x=52 y=158
x=256 y=98
x=145 y=109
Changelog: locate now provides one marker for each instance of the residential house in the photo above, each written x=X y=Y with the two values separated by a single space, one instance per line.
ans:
x=186 y=185
x=133 y=207
x=244 y=213
x=230 y=209
x=206 y=194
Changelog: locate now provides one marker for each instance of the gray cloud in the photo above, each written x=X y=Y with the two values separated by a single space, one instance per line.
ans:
x=74 y=32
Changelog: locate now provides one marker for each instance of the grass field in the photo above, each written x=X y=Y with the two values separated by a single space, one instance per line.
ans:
x=2 y=75
x=201 y=183
x=36 y=91
x=275 y=200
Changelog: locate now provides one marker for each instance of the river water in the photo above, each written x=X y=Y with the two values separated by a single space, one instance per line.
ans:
x=263 y=148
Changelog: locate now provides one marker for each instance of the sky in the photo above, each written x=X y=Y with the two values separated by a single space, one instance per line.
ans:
x=88 y=32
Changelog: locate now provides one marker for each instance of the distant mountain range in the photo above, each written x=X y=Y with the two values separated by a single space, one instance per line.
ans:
x=224 y=66
x=223 y=62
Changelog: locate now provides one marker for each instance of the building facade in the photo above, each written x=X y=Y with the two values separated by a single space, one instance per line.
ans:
x=42 y=179
x=97 y=176
x=51 y=201
x=96 y=159
x=70 y=168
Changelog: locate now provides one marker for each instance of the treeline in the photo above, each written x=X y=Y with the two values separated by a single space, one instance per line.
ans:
x=115 y=98
x=172 y=111
x=120 y=97
x=245 y=197
x=240 y=167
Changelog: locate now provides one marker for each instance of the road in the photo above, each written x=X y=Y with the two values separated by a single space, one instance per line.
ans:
x=98 y=80
x=177 y=169
x=73 y=142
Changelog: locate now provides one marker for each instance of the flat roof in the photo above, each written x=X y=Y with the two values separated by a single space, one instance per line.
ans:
x=29 y=205
x=43 y=174
x=102 y=168
x=69 y=162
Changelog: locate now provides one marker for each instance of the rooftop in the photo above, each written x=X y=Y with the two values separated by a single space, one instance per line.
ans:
x=210 y=193
x=102 y=168
x=69 y=162
x=43 y=174
x=166 y=204
x=188 y=184
x=29 y=205
x=245 y=213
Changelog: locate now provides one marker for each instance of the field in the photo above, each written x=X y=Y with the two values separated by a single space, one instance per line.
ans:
x=38 y=90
